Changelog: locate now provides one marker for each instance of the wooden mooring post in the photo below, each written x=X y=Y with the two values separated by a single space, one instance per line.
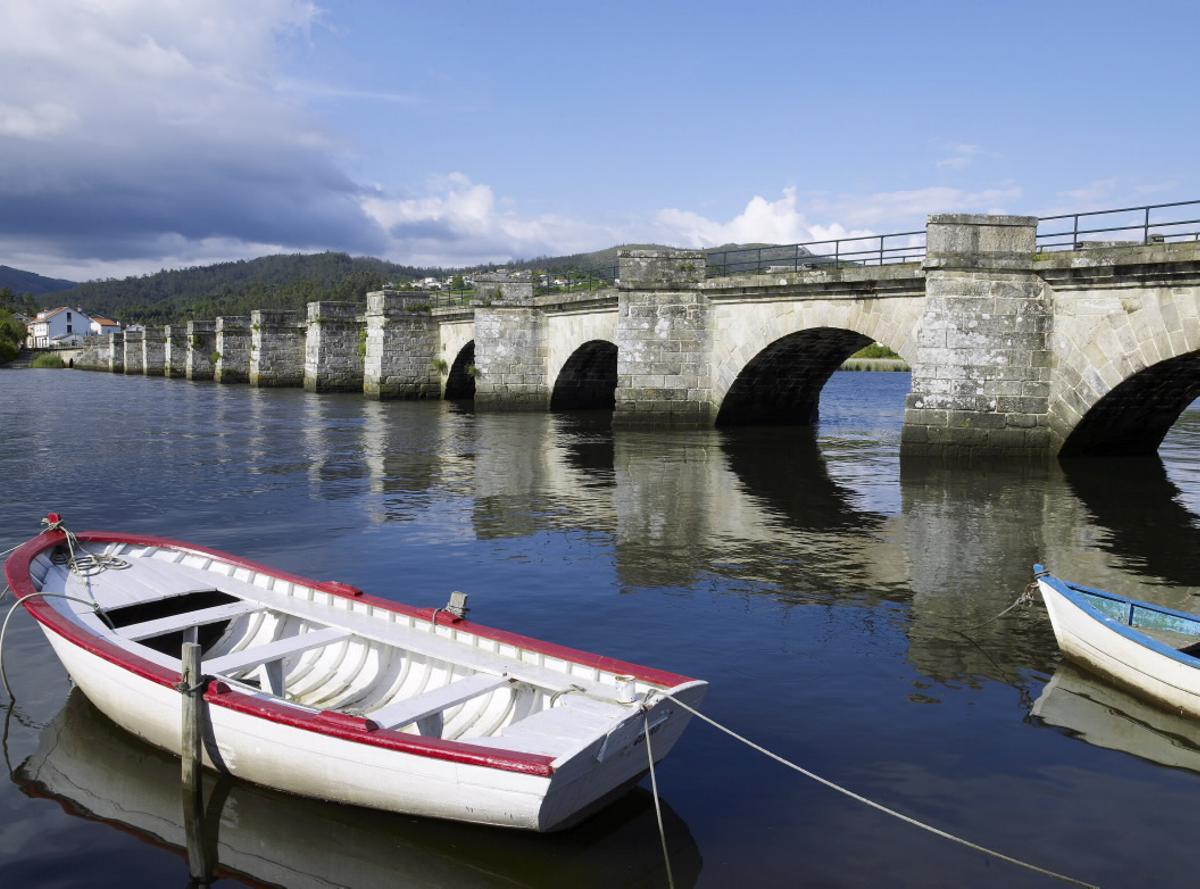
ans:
x=200 y=863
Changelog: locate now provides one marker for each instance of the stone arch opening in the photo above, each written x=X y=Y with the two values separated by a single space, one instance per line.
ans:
x=588 y=379
x=460 y=384
x=781 y=385
x=1135 y=416
x=70 y=362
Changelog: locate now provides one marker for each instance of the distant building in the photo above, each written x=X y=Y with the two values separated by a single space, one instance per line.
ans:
x=63 y=326
x=101 y=325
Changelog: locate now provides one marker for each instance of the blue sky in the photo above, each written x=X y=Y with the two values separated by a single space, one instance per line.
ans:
x=151 y=133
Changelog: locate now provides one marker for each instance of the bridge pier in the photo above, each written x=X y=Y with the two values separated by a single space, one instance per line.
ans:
x=662 y=340
x=981 y=381
x=175 y=350
x=152 y=352
x=232 y=363
x=133 y=352
x=276 y=349
x=334 y=348
x=510 y=358
x=201 y=343
x=401 y=349
x=112 y=353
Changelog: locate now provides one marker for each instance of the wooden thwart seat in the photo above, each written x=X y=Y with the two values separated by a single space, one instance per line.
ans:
x=426 y=709
x=273 y=651
x=186 y=621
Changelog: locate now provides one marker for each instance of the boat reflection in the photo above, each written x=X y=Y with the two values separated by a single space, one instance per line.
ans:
x=98 y=772
x=1105 y=716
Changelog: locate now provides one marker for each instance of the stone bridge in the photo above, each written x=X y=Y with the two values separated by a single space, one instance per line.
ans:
x=1014 y=351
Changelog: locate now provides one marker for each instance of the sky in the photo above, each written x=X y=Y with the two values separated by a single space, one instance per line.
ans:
x=145 y=134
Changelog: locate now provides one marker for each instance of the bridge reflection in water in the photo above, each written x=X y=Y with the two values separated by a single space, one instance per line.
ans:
x=98 y=772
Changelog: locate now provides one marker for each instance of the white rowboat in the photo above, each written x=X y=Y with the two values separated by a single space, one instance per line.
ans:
x=320 y=690
x=1147 y=649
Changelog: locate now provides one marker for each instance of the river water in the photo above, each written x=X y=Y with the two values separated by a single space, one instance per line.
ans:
x=831 y=594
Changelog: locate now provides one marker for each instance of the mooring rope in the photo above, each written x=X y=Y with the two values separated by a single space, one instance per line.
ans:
x=662 y=834
x=12 y=609
x=908 y=819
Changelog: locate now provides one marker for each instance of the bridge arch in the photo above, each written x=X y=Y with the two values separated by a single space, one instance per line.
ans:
x=772 y=369
x=588 y=378
x=460 y=380
x=1123 y=377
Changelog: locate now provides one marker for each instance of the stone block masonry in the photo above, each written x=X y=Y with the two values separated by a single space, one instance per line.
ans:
x=276 y=348
x=133 y=351
x=201 y=344
x=663 y=373
x=401 y=347
x=175 y=341
x=232 y=363
x=334 y=348
x=113 y=353
x=510 y=358
x=981 y=382
x=152 y=352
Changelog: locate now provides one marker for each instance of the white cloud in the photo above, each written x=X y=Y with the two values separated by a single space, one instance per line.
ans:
x=961 y=156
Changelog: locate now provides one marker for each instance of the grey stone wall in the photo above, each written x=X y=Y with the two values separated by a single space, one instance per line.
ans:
x=401 y=347
x=510 y=358
x=334 y=348
x=233 y=349
x=113 y=353
x=981 y=381
x=201 y=344
x=276 y=348
x=175 y=340
x=133 y=351
x=497 y=287
x=663 y=373
x=93 y=355
x=152 y=352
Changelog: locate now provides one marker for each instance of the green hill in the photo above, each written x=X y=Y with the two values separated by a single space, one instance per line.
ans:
x=289 y=281
x=20 y=281
x=235 y=288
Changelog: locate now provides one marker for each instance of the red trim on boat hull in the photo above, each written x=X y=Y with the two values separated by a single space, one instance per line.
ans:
x=17 y=570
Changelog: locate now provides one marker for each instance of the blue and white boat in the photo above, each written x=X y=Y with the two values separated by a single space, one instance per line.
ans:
x=1148 y=649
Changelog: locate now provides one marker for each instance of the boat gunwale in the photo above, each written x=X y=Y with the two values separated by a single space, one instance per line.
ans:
x=1075 y=594
x=330 y=723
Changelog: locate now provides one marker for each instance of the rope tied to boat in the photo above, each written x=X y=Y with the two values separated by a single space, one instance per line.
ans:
x=88 y=564
x=1026 y=598
x=662 y=833
x=857 y=797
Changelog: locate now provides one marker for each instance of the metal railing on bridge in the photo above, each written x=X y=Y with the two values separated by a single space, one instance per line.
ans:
x=1147 y=224
x=863 y=250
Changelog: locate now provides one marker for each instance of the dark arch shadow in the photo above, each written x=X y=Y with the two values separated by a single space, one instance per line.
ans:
x=70 y=362
x=460 y=384
x=588 y=380
x=788 y=474
x=1134 y=418
x=781 y=385
x=1141 y=508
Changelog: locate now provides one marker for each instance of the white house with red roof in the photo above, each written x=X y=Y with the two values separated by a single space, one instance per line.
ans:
x=63 y=326
x=101 y=325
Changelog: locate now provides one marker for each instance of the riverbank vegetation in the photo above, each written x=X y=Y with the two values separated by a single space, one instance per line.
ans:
x=12 y=334
x=48 y=359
